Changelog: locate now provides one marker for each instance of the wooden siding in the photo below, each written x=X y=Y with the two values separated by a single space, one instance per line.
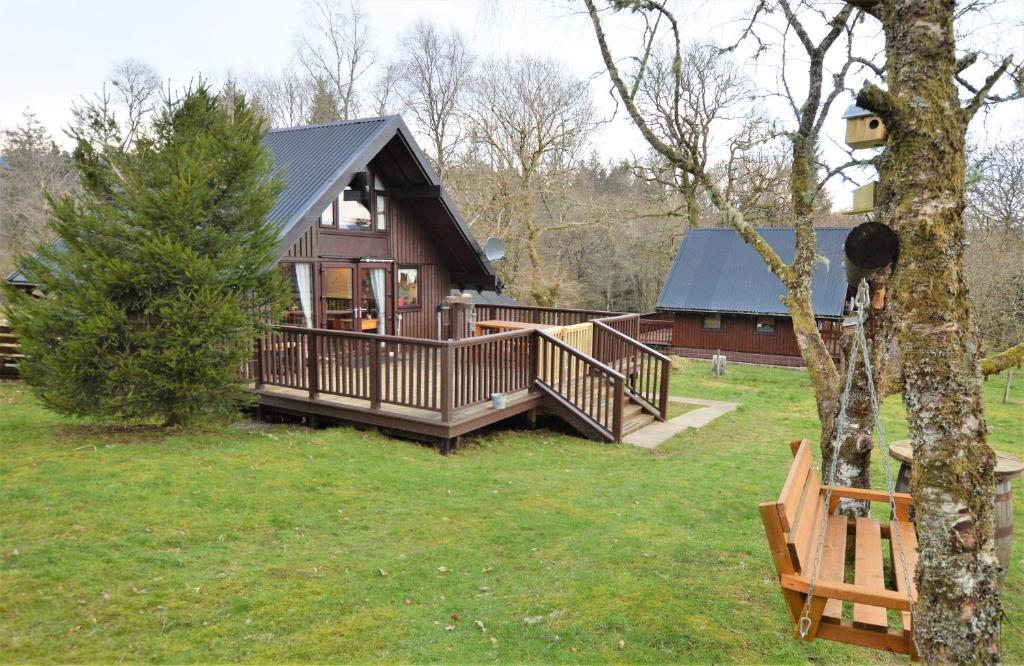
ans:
x=736 y=335
x=305 y=246
x=414 y=245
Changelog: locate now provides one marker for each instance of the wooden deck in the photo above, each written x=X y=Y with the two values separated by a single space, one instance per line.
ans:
x=590 y=373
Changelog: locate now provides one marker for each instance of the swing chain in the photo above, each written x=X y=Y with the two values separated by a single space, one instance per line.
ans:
x=860 y=302
x=860 y=345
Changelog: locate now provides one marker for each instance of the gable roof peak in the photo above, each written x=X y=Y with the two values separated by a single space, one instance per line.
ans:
x=334 y=123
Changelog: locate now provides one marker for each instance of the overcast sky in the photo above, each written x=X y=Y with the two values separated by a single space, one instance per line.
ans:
x=54 y=51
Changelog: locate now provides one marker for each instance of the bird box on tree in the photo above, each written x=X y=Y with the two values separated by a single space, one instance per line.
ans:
x=863 y=128
x=864 y=199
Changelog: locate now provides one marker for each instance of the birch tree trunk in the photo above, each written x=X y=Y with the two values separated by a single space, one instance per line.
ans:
x=958 y=612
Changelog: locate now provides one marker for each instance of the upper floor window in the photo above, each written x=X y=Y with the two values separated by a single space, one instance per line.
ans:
x=354 y=214
x=327 y=217
x=712 y=322
x=380 y=204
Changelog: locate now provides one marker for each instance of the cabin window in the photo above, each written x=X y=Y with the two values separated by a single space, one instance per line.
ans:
x=299 y=277
x=380 y=205
x=408 y=288
x=764 y=325
x=712 y=322
x=328 y=217
x=354 y=214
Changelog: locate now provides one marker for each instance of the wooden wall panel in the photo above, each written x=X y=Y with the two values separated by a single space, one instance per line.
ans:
x=306 y=245
x=737 y=334
x=413 y=244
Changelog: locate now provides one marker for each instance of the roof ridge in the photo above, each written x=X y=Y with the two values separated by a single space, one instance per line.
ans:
x=333 y=123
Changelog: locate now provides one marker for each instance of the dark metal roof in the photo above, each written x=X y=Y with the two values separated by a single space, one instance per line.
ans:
x=485 y=297
x=319 y=161
x=716 y=271
x=18 y=279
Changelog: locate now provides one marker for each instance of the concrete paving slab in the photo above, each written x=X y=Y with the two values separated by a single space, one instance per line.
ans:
x=655 y=434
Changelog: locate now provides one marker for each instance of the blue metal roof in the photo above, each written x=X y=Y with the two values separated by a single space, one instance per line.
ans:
x=4 y=164
x=716 y=271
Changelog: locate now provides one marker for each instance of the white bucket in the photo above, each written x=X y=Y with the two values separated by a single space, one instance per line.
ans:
x=499 y=400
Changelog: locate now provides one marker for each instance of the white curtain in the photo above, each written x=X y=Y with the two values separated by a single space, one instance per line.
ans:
x=304 y=280
x=377 y=276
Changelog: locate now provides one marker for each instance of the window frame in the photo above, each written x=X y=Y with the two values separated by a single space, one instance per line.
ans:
x=704 y=322
x=338 y=229
x=774 y=330
x=398 y=275
x=334 y=210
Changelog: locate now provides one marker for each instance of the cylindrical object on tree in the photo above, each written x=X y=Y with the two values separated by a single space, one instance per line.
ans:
x=869 y=248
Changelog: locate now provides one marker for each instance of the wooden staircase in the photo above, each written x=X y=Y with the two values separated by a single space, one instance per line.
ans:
x=10 y=353
x=608 y=400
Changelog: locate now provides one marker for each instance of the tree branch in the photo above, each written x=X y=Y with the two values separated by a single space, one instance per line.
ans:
x=979 y=97
x=1010 y=358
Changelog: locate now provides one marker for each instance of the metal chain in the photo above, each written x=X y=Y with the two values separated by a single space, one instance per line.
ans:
x=861 y=302
x=894 y=523
x=859 y=347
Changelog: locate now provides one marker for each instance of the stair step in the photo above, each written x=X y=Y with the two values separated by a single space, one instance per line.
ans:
x=635 y=424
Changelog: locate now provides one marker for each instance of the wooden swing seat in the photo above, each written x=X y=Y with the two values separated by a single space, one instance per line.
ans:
x=793 y=523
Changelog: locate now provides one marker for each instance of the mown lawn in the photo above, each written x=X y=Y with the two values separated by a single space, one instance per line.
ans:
x=287 y=544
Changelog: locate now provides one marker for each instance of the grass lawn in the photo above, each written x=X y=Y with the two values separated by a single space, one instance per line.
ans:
x=679 y=408
x=287 y=544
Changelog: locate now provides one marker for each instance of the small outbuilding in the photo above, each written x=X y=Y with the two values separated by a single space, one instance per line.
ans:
x=720 y=296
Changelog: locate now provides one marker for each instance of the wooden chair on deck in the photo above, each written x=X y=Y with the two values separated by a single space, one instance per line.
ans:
x=794 y=525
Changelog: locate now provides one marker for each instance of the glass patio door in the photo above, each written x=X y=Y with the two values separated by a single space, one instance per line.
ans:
x=356 y=297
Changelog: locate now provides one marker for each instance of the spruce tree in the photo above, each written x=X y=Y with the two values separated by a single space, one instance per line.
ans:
x=162 y=274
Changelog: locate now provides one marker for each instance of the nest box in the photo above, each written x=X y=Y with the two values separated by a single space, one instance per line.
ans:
x=863 y=128
x=864 y=199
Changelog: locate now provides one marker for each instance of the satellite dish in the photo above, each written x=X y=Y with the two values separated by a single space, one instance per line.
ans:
x=494 y=249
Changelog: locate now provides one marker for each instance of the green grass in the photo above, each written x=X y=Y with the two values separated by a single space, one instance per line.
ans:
x=288 y=544
x=679 y=408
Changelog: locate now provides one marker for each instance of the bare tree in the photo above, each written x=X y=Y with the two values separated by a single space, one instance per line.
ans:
x=335 y=49
x=922 y=178
x=285 y=97
x=432 y=76
x=137 y=87
x=38 y=167
x=529 y=121
x=674 y=123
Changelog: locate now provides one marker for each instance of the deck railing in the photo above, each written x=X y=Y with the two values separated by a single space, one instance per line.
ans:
x=483 y=366
x=656 y=329
x=591 y=389
x=646 y=370
x=536 y=315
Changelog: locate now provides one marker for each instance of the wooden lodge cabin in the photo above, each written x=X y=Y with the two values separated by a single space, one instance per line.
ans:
x=720 y=297
x=374 y=248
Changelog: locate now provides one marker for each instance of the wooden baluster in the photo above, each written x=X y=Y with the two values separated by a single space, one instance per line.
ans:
x=375 y=375
x=312 y=362
x=447 y=373
x=259 y=360
x=617 y=415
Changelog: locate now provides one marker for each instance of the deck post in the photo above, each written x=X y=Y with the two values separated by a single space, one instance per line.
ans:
x=375 y=386
x=534 y=359
x=312 y=365
x=619 y=397
x=447 y=379
x=259 y=361
x=666 y=372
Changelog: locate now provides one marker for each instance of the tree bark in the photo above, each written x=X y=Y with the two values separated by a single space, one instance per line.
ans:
x=958 y=610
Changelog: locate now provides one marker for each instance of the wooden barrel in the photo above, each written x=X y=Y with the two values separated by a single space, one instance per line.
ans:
x=1007 y=468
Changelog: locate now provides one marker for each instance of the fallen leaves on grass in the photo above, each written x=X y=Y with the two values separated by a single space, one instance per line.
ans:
x=622 y=645
x=479 y=625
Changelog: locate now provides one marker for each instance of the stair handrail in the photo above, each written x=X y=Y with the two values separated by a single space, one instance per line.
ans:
x=618 y=379
x=665 y=361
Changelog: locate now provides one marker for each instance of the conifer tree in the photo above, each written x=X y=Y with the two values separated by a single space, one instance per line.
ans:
x=161 y=276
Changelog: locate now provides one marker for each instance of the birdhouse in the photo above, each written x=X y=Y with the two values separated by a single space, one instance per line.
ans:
x=863 y=128
x=864 y=199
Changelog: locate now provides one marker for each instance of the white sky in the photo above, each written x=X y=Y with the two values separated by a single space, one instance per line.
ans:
x=54 y=51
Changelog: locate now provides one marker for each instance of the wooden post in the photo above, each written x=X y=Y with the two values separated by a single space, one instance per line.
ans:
x=259 y=361
x=666 y=372
x=447 y=379
x=619 y=397
x=312 y=365
x=534 y=359
x=1006 y=388
x=375 y=383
